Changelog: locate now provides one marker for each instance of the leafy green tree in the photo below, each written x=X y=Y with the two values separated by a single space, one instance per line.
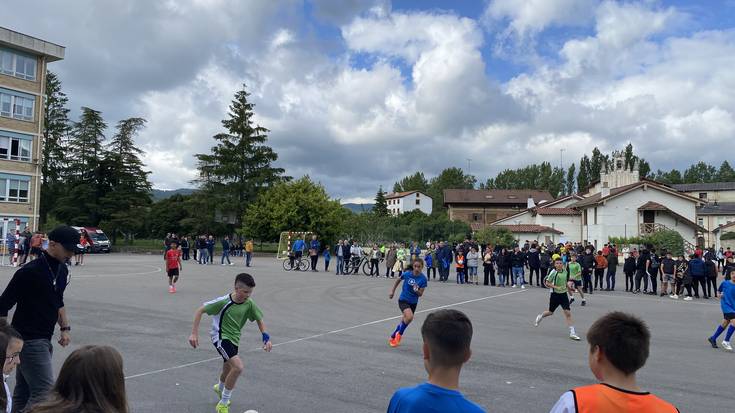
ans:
x=301 y=205
x=53 y=158
x=169 y=215
x=570 y=181
x=381 y=205
x=415 y=182
x=700 y=173
x=239 y=166
x=496 y=236
x=725 y=173
x=449 y=178
x=583 y=177
x=672 y=177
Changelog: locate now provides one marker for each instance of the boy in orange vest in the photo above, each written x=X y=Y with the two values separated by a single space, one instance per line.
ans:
x=619 y=346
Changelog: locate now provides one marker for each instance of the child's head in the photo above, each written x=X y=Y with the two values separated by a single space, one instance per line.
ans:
x=418 y=265
x=573 y=256
x=618 y=341
x=12 y=348
x=90 y=376
x=558 y=264
x=244 y=284
x=447 y=335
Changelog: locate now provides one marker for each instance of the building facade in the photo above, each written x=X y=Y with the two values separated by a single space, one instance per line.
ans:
x=718 y=208
x=481 y=207
x=400 y=202
x=23 y=61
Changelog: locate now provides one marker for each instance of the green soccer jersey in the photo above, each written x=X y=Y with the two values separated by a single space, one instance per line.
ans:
x=559 y=280
x=575 y=271
x=230 y=317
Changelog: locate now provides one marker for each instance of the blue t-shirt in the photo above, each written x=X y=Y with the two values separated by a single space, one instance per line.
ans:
x=727 y=300
x=407 y=293
x=428 y=398
x=298 y=245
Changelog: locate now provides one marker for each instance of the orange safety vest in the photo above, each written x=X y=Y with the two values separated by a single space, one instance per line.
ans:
x=603 y=398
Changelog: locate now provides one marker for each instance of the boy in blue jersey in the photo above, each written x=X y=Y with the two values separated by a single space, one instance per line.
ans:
x=727 y=303
x=447 y=335
x=414 y=283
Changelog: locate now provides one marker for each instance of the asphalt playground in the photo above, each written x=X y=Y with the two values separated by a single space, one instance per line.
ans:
x=330 y=334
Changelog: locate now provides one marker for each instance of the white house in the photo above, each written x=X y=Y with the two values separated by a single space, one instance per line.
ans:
x=400 y=202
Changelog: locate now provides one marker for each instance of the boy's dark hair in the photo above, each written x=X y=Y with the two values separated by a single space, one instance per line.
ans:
x=623 y=338
x=448 y=334
x=245 y=278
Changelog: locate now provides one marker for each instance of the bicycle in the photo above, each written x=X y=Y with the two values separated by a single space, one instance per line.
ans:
x=366 y=266
x=297 y=264
x=352 y=266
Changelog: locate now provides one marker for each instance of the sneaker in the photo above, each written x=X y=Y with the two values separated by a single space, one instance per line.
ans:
x=223 y=408
x=574 y=337
x=538 y=320
x=688 y=298
x=523 y=287
x=674 y=297
x=726 y=345
x=232 y=263
x=584 y=303
x=218 y=391
x=571 y=301
x=395 y=341
x=712 y=342
x=514 y=286
x=171 y=289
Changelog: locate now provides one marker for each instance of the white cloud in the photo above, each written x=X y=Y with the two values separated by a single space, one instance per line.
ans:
x=529 y=17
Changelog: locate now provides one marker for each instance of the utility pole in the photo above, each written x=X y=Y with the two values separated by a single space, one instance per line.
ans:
x=561 y=158
x=469 y=163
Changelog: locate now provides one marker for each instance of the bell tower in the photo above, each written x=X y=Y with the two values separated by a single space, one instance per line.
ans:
x=616 y=174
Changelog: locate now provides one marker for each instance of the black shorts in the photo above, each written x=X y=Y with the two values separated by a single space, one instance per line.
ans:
x=729 y=316
x=558 y=299
x=577 y=283
x=173 y=272
x=226 y=349
x=405 y=304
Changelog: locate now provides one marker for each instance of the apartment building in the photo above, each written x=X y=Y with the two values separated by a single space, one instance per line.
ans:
x=400 y=202
x=23 y=61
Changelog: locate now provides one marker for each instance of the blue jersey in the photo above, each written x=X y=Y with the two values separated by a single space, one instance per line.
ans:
x=409 y=280
x=298 y=245
x=428 y=398
x=727 y=299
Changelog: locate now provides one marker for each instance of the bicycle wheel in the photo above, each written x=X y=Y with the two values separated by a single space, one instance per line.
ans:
x=303 y=265
x=366 y=268
x=287 y=265
x=347 y=267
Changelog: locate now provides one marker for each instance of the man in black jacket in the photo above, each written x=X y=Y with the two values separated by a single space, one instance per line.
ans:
x=517 y=262
x=642 y=264
x=588 y=264
x=534 y=265
x=37 y=292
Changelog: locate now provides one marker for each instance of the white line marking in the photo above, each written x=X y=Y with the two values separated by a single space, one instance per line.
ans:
x=341 y=330
x=156 y=270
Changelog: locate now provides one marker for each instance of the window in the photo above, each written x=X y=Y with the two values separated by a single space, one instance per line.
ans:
x=476 y=217
x=15 y=149
x=418 y=202
x=417 y=194
x=18 y=107
x=702 y=195
x=700 y=222
x=18 y=65
x=14 y=190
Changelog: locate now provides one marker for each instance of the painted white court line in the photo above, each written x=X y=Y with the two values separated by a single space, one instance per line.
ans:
x=155 y=270
x=341 y=330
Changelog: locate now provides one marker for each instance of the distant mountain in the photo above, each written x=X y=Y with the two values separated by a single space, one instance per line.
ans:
x=159 y=194
x=359 y=208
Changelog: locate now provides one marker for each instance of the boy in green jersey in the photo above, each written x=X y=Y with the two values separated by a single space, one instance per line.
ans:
x=230 y=312
x=558 y=281
x=575 y=275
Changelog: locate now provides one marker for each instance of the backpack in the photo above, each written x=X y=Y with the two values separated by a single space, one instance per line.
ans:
x=654 y=261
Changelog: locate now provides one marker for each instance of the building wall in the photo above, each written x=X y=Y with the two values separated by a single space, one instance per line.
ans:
x=28 y=212
x=712 y=196
x=619 y=217
x=570 y=225
x=407 y=203
x=479 y=215
x=712 y=222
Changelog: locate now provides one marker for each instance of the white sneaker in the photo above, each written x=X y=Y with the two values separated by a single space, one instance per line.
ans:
x=538 y=320
x=674 y=296
x=574 y=337
x=232 y=263
x=523 y=287
x=514 y=286
x=688 y=298
x=726 y=345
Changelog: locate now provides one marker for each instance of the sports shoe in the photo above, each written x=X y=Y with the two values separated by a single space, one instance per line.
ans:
x=688 y=298
x=674 y=296
x=395 y=341
x=523 y=286
x=223 y=408
x=712 y=341
x=574 y=337
x=218 y=391
x=171 y=289
x=514 y=286
x=726 y=345
x=538 y=320
x=174 y=286
x=232 y=263
x=571 y=301
x=584 y=303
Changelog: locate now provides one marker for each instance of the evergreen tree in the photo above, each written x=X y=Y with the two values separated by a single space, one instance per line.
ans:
x=570 y=180
x=381 y=205
x=583 y=177
x=629 y=157
x=725 y=173
x=239 y=167
x=53 y=157
x=127 y=191
x=700 y=173
x=83 y=175
x=415 y=182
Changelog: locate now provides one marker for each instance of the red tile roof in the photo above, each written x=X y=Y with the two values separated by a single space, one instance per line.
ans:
x=402 y=194
x=495 y=196
x=655 y=206
x=529 y=228
x=557 y=211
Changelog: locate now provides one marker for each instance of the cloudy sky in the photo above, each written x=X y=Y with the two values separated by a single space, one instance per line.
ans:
x=358 y=93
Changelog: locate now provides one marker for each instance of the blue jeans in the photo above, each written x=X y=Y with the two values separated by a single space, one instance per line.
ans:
x=210 y=251
x=610 y=278
x=225 y=256
x=340 y=264
x=248 y=258
x=518 y=276
x=34 y=376
x=460 y=276
x=202 y=256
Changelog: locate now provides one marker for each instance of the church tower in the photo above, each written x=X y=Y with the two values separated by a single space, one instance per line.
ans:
x=617 y=175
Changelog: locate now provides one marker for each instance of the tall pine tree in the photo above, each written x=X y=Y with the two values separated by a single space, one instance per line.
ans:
x=570 y=181
x=381 y=205
x=53 y=156
x=239 y=166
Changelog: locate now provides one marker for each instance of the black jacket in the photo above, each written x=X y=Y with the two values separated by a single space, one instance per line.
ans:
x=534 y=260
x=37 y=300
x=587 y=261
x=518 y=259
x=629 y=265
